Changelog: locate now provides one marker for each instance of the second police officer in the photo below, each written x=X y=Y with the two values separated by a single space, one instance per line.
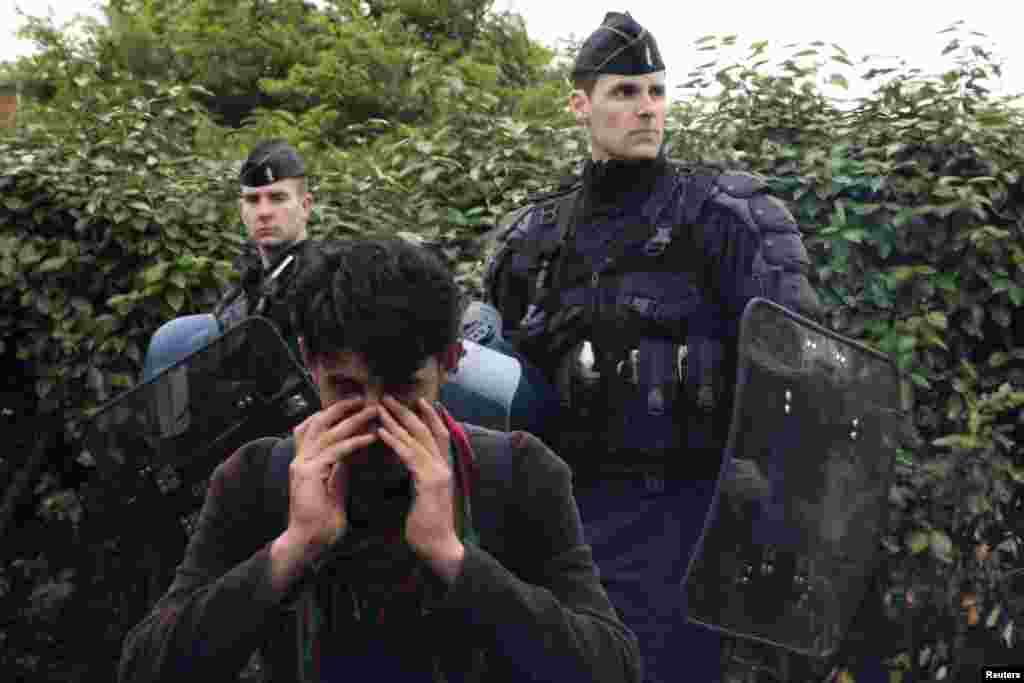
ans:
x=626 y=290
x=275 y=205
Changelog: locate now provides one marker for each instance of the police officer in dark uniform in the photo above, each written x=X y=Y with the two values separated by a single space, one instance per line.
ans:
x=275 y=205
x=626 y=290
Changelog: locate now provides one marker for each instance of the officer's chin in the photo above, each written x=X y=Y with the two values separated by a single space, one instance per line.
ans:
x=642 y=150
x=267 y=240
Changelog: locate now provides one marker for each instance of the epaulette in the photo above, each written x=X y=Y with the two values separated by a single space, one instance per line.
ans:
x=683 y=167
x=547 y=203
x=563 y=189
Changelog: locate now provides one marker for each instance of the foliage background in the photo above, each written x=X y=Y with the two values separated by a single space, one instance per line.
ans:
x=434 y=119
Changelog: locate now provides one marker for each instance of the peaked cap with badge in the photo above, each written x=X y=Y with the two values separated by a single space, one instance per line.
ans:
x=270 y=161
x=619 y=46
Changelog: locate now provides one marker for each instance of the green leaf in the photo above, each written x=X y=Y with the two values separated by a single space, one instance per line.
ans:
x=966 y=442
x=839 y=80
x=865 y=209
x=455 y=216
x=904 y=457
x=178 y=279
x=918 y=542
x=937 y=319
x=1016 y=294
x=941 y=545
x=905 y=343
x=175 y=298
x=53 y=263
x=29 y=254
x=998 y=359
x=155 y=273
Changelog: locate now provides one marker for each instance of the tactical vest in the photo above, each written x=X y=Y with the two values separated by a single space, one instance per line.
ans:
x=265 y=293
x=634 y=333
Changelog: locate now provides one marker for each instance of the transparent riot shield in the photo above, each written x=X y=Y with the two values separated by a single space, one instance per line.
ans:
x=793 y=536
x=236 y=388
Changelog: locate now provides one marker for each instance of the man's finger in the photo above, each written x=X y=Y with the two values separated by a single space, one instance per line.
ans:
x=342 y=450
x=340 y=409
x=392 y=424
x=351 y=425
x=433 y=420
x=408 y=420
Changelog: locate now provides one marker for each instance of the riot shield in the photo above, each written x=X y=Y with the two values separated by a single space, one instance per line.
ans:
x=235 y=388
x=793 y=535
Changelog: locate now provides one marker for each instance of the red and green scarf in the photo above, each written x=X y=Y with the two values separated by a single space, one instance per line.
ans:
x=380 y=582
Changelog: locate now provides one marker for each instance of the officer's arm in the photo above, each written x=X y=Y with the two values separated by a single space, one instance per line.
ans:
x=221 y=604
x=548 y=617
x=746 y=221
x=504 y=288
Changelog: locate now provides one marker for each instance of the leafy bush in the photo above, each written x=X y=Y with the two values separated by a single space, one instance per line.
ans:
x=911 y=203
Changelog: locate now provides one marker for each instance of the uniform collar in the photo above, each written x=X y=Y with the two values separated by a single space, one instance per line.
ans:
x=610 y=184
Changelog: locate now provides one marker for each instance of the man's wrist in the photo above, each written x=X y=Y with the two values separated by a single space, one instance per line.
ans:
x=447 y=561
x=290 y=558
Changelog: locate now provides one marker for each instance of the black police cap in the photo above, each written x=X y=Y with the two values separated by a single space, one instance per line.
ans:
x=619 y=46
x=270 y=161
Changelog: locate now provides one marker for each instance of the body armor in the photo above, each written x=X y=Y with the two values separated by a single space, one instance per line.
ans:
x=630 y=310
x=263 y=291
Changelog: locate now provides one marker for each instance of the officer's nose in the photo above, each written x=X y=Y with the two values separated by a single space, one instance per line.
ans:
x=645 y=106
x=264 y=207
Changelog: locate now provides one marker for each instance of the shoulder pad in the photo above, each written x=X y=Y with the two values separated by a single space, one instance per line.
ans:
x=692 y=168
x=771 y=214
x=740 y=184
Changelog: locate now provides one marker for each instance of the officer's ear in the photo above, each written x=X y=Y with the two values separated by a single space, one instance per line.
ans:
x=579 y=105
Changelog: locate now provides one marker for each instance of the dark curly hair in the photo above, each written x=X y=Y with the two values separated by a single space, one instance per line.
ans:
x=387 y=299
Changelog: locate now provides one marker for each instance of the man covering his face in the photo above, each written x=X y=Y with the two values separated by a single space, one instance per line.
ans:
x=402 y=546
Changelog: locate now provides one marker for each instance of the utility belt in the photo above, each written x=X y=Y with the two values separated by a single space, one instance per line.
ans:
x=640 y=409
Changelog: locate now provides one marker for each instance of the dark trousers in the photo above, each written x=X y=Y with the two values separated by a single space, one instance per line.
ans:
x=642 y=533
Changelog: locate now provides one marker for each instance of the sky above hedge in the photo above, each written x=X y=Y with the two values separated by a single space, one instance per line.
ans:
x=903 y=29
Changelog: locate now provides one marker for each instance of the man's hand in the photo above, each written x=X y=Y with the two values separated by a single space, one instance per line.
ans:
x=422 y=442
x=318 y=476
